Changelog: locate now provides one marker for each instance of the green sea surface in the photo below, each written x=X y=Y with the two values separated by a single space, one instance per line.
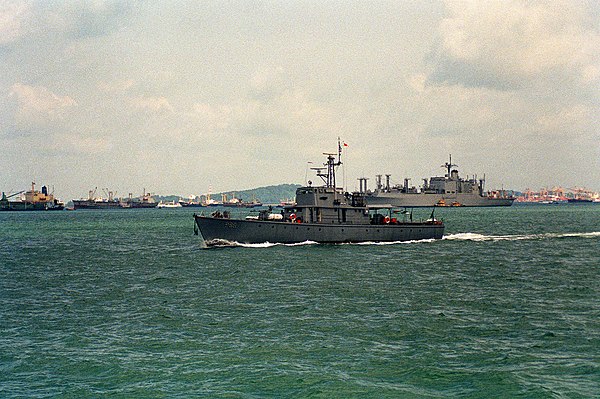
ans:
x=128 y=304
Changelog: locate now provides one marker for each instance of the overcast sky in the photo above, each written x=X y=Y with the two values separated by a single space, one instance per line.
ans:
x=179 y=96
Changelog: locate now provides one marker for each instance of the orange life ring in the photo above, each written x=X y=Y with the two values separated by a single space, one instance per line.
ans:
x=293 y=217
x=386 y=220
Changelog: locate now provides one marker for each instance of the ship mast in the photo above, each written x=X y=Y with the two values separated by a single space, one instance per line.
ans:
x=331 y=164
x=449 y=165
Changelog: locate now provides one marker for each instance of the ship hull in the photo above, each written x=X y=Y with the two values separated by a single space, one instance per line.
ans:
x=84 y=204
x=255 y=231
x=417 y=200
x=580 y=201
x=142 y=205
x=22 y=206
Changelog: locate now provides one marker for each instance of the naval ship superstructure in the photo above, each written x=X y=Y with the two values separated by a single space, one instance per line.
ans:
x=447 y=190
x=324 y=214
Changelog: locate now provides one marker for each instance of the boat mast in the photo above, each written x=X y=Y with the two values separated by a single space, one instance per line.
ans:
x=448 y=166
x=329 y=177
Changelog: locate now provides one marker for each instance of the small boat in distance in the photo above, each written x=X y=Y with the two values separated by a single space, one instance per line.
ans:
x=170 y=204
x=324 y=214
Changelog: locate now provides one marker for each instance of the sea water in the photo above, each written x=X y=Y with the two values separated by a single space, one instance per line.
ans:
x=128 y=303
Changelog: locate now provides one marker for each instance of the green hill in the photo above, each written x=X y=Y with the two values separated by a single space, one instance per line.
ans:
x=266 y=195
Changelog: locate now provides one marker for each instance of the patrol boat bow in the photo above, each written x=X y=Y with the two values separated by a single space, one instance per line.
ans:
x=323 y=214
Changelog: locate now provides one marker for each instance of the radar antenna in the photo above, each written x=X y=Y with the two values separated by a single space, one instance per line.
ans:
x=329 y=176
x=448 y=165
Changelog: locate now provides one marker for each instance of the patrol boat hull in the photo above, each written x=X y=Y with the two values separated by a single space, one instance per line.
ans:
x=323 y=214
x=260 y=231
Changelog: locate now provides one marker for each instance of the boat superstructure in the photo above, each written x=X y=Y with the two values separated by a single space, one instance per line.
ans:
x=324 y=214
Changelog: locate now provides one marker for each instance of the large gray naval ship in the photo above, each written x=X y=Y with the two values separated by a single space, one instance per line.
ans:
x=448 y=190
x=324 y=214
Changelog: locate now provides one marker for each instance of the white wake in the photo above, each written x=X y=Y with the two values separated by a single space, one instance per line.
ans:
x=516 y=237
x=451 y=237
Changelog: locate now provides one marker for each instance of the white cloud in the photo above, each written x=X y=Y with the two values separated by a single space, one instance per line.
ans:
x=212 y=118
x=278 y=116
x=116 y=86
x=12 y=15
x=152 y=104
x=73 y=143
x=574 y=119
x=506 y=42
x=38 y=105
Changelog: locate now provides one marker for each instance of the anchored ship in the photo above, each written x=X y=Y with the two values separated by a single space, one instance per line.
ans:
x=447 y=190
x=98 y=202
x=324 y=214
x=145 y=201
x=33 y=200
x=94 y=202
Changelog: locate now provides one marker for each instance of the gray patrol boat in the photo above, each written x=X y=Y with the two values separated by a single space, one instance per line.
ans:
x=448 y=190
x=324 y=214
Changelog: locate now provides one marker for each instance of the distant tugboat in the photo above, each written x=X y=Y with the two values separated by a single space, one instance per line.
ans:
x=323 y=214
x=448 y=190
x=33 y=201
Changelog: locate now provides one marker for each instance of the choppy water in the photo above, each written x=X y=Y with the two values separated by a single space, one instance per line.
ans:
x=126 y=303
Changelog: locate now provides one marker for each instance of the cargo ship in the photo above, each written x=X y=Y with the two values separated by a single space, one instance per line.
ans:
x=145 y=201
x=32 y=200
x=448 y=191
x=94 y=202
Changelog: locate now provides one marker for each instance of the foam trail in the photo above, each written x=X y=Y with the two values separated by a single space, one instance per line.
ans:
x=393 y=242
x=482 y=237
x=585 y=235
x=301 y=243
x=451 y=237
x=225 y=243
